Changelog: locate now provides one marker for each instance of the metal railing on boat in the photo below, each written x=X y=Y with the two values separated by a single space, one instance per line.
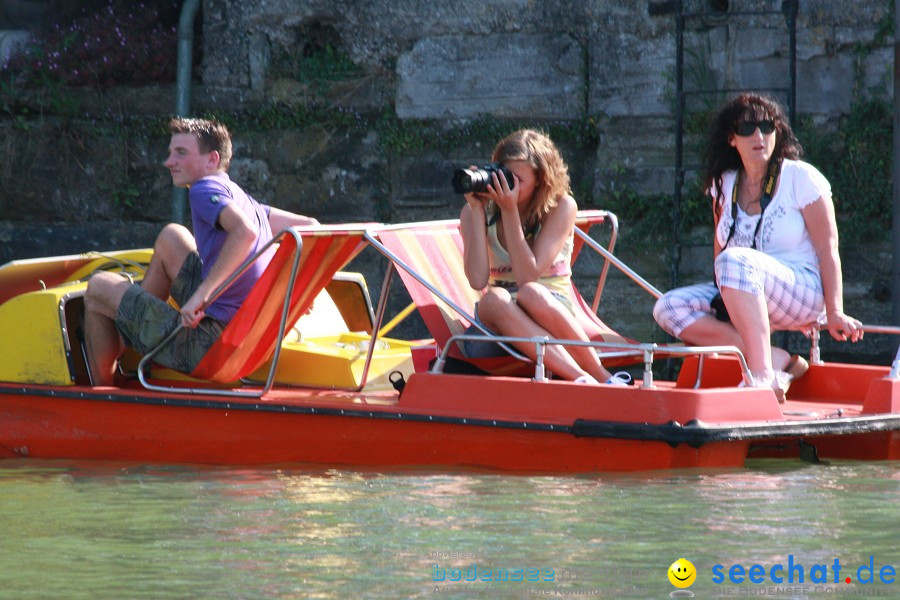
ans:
x=647 y=352
x=610 y=258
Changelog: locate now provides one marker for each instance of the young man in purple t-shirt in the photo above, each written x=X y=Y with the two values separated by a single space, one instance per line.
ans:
x=229 y=226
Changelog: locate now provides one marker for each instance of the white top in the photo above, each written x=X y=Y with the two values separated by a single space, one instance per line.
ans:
x=783 y=234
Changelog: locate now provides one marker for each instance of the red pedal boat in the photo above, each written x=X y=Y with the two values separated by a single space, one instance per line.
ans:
x=307 y=374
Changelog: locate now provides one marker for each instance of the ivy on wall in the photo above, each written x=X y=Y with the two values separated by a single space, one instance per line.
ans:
x=857 y=157
x=119 y=45
x=857 y=160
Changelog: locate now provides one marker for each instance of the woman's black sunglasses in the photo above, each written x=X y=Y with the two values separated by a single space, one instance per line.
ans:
x=745 y=128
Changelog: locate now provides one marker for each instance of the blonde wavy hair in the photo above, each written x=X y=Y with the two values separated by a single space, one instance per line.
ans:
x=538 y=150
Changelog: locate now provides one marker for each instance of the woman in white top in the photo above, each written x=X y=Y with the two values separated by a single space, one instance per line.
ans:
x=776 y=246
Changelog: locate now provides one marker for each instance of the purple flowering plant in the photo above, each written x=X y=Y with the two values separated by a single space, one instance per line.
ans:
x=119 y=42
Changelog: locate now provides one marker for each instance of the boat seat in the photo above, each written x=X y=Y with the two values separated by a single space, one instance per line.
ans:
x=255 y=333
x=434 y=251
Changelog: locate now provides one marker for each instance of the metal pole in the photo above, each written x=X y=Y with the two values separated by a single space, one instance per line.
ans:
x=895 y=280
x=679 y=139
x=792 y=60
x=183 y=87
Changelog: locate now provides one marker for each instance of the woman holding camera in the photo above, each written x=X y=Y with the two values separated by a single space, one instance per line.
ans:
x=518 y=242
x=776 y=246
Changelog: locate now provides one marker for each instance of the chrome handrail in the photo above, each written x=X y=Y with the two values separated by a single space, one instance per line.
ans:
x=813 y=332
x=646 y=350
x=610 y=258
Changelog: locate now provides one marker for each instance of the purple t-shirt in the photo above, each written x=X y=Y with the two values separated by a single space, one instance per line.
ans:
x=208 y=196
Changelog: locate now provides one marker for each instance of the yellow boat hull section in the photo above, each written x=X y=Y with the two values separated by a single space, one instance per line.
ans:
x=22 y=276
x=338 y=361
x=34 y=345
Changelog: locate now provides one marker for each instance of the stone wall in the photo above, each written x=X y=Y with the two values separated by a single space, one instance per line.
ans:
x=603 y=69
x=613 y=61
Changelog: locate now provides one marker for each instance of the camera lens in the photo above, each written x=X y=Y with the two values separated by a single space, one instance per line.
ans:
x=477 y=180
x=470 y=180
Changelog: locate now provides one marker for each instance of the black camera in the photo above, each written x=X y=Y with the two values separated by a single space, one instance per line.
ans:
x=718 y=306
x=477 y=180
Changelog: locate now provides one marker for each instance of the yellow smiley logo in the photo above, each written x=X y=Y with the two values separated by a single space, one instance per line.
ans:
x=682 y=573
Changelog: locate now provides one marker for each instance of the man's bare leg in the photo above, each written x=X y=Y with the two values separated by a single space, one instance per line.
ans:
x=172 y=246
x=104 y=293
x=102 y=340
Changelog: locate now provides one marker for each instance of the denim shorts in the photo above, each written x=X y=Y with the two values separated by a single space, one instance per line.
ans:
x=478 y=348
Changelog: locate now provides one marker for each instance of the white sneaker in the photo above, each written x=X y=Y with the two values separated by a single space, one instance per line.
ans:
x=783 y=379
x=587 y=379
x=779 y=382
x=620 y=378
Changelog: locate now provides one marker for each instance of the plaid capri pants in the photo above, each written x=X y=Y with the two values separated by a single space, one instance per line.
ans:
x=794 y=296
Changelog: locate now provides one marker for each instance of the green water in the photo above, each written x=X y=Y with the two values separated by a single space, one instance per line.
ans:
x=81 y=530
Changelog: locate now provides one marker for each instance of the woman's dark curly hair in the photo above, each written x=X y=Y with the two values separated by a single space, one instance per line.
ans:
x=721 y=156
